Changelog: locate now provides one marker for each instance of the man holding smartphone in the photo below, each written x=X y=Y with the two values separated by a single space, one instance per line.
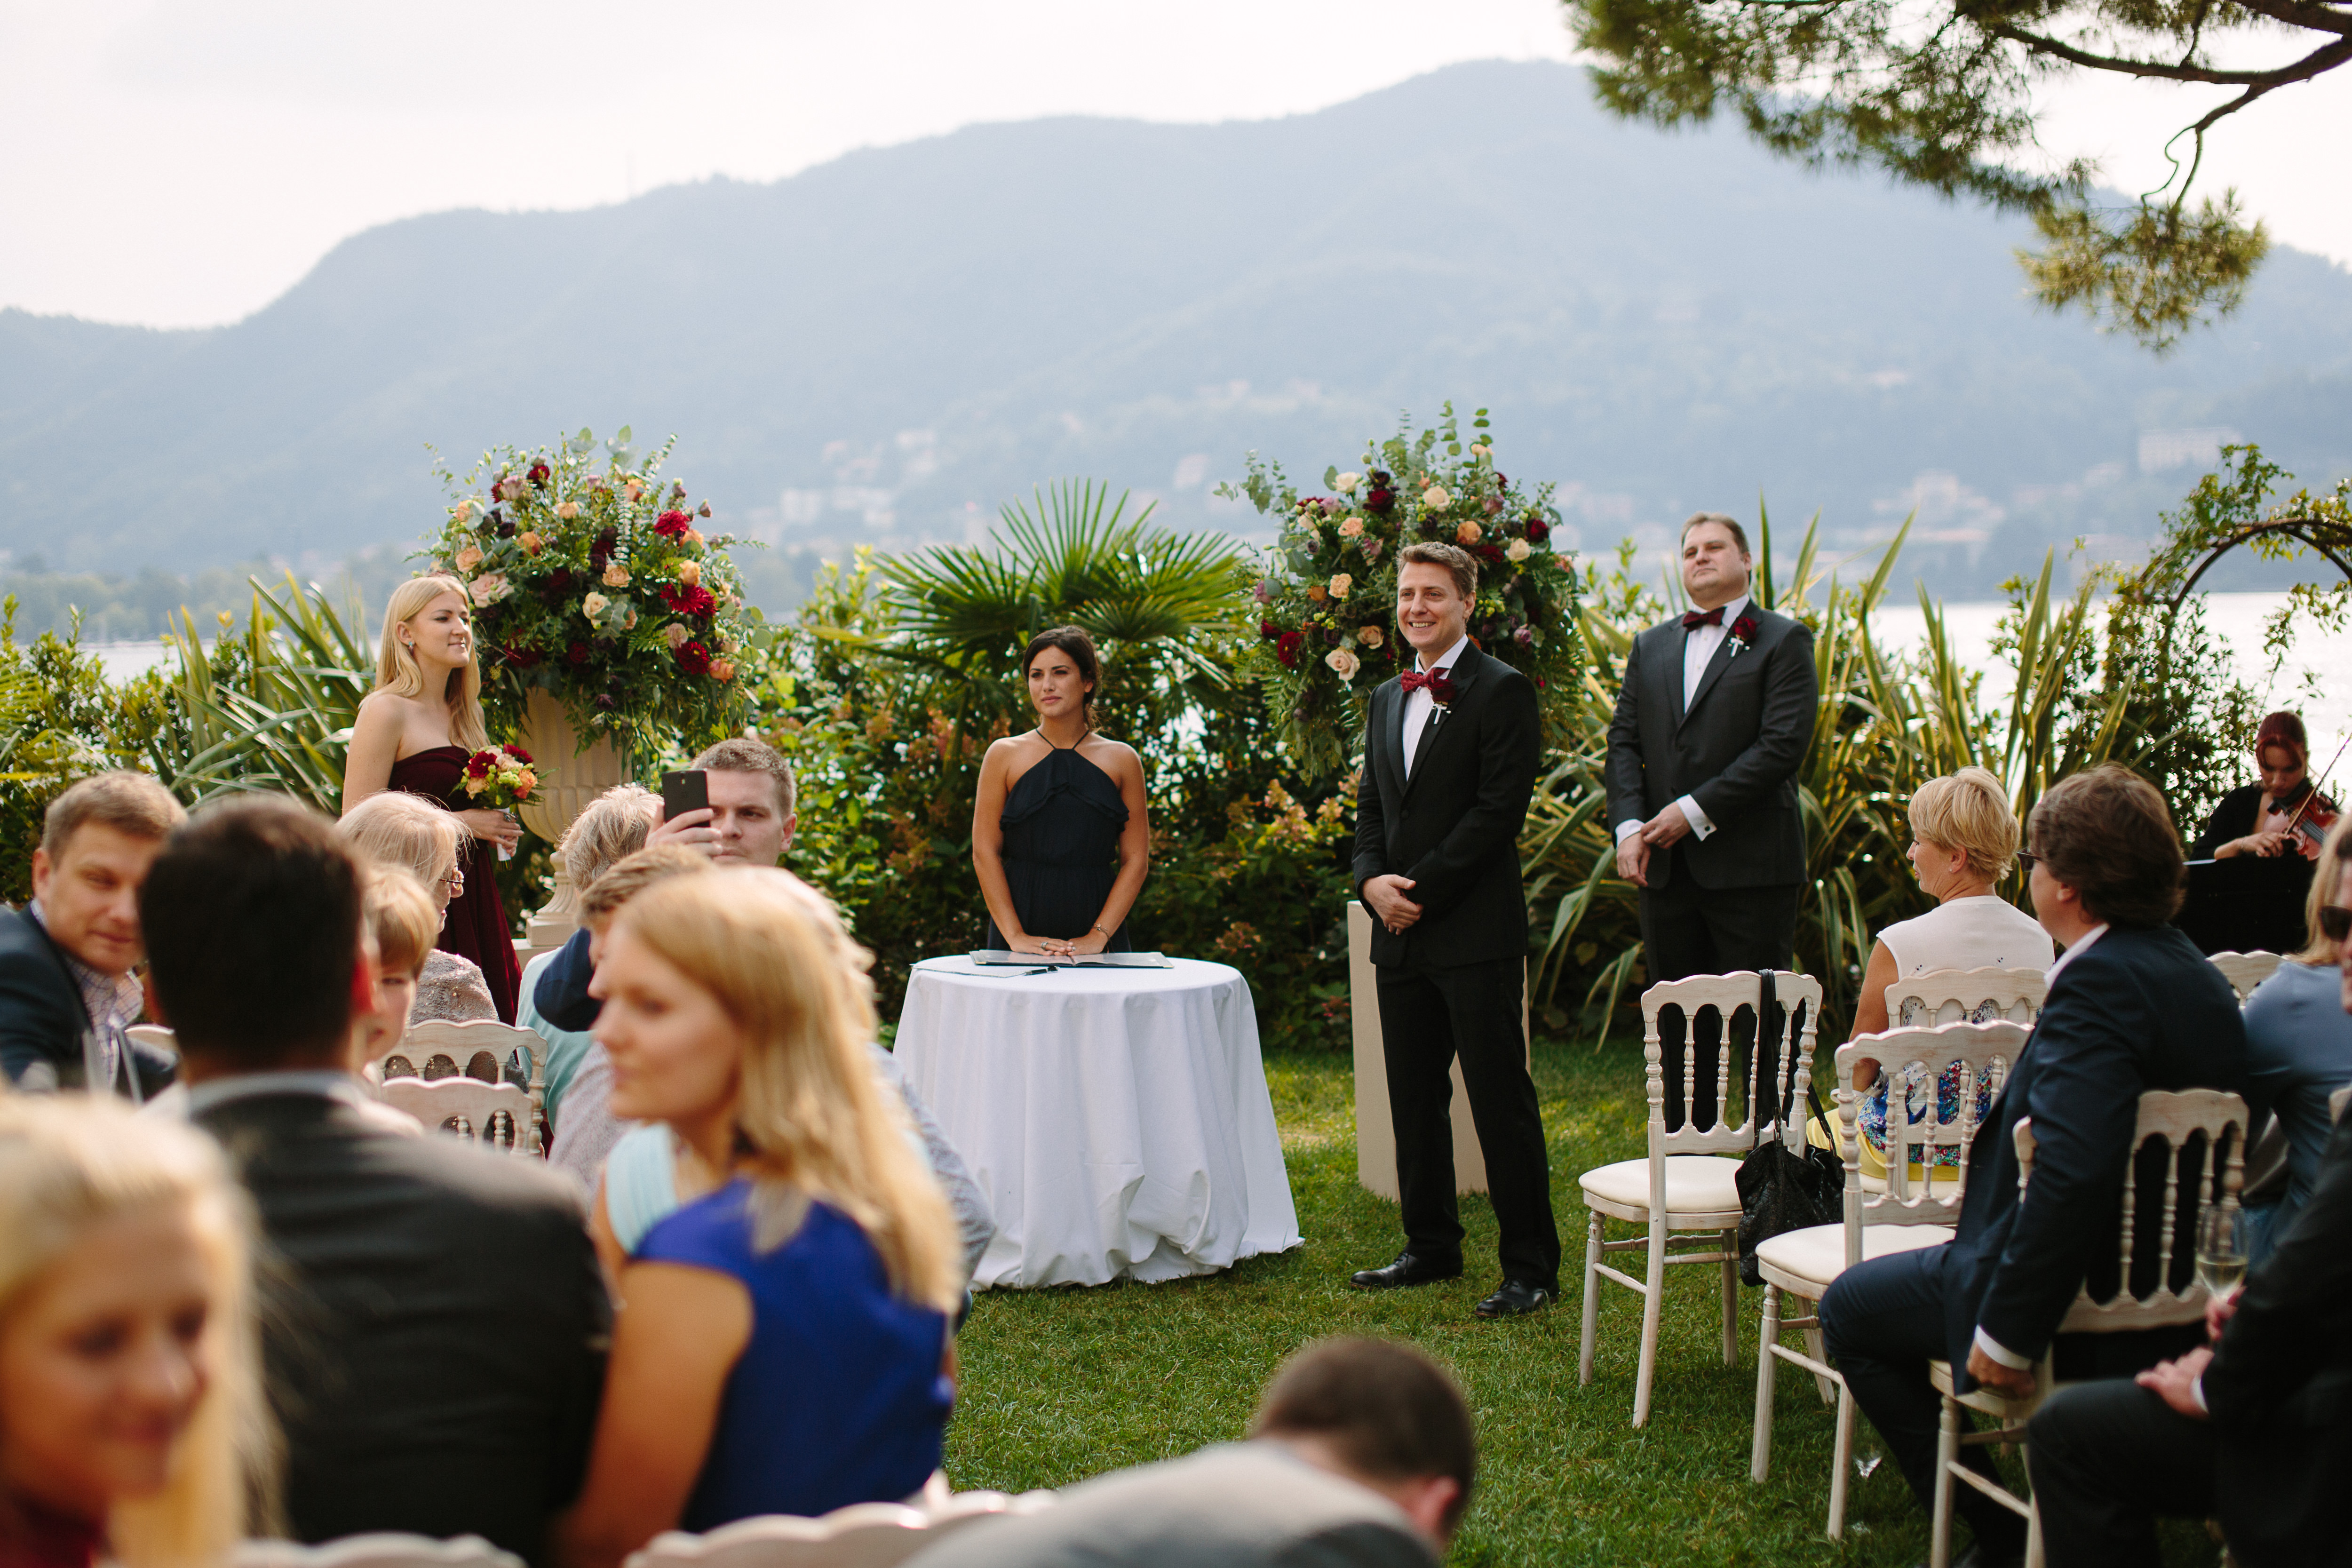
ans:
x=746 y=817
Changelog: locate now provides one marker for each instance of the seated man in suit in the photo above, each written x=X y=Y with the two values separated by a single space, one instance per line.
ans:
x=1362 y=1452
x=67 y=993
x=2258 y=1427
x=434 y=1338
x=2132 y=1006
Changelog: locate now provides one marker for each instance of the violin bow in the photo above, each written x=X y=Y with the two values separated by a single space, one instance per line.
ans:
x=2311 y=796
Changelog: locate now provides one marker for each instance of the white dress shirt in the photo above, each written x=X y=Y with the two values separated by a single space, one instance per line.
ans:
x=1993 y=1347
x=1699 y=643
x=1417 y=704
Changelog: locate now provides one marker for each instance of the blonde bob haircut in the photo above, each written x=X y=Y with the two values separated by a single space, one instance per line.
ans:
x=608 y=830
x=2335 y=857
x=814 y=1118
x=397 y=671
x=1969 y=811
x=400 y=914
x=70 y=1163
x=408 y=833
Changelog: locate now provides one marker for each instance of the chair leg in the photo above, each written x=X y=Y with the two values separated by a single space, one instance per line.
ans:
x=1948 y=1454
x=1760 y=1457
x=1819 y=1349
x=1731 y=1298
x=1841 y=1461
x=1592 y=1299
x=1651 y=1302
x=2033 y=1554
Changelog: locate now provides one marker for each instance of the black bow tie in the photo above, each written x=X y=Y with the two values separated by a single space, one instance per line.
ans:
x=1713 y=617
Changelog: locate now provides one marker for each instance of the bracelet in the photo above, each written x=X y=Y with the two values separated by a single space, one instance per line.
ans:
x=1097 y=927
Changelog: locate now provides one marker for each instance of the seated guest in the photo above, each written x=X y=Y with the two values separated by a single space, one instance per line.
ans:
x=1963 y=841
x=435 y=1334
x=2132 y=1006
x=782 y=1344
x=2299 y=1047
x=1362 y=1452
x=402 y=922
x=410 y=833
x=136 y=1432
x=2257 y=1429
x=611 y=828
x=67 y=994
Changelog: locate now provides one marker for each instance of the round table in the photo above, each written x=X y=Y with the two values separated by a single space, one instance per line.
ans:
x=1116 y=1118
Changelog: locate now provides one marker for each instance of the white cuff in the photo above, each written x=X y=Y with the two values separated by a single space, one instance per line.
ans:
x=2001 y=1353
x=1699 y=823
x=1627 y=828
x=2196 y=1392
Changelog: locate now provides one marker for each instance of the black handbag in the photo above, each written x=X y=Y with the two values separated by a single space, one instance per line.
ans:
x=1780 y=1191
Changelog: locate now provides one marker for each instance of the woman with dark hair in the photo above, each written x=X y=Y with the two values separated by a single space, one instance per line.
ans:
x=2269 y=817
x=1059 y=835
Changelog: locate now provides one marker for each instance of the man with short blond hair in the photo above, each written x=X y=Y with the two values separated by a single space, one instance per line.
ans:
x=67 y=994
x=750 y=817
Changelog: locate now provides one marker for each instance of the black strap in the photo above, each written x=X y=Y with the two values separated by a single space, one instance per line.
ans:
x=1765 y=998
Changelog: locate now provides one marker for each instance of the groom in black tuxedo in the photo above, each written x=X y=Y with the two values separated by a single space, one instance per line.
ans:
x=1712 y=728
x=1451 y=751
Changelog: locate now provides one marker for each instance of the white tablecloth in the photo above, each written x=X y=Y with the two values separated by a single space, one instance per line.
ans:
x=1118 y=1119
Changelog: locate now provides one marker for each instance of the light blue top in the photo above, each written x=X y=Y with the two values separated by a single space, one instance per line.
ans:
x=2298 y=1052
x=640 y=1182
x=565 y=1047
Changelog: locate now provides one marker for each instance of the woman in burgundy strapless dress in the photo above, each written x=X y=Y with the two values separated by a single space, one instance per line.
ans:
x=477 y=926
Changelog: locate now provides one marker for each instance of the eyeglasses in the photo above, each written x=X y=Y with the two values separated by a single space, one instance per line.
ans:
x=2025 y=859
x=457 y=880
x=2336 y=922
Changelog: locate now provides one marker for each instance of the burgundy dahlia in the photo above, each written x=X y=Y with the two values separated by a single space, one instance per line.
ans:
x=673 y=524
x=1537 y=531
x=694 y=658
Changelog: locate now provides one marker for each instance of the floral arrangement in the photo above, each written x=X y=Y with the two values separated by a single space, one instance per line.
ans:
x=595 y=584
x=499 y=778
x=1327 y=598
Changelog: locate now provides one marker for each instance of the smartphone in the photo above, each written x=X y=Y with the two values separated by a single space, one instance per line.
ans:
x=684 y=791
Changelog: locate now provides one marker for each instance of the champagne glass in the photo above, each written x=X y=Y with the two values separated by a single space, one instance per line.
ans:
x=2222 y=1251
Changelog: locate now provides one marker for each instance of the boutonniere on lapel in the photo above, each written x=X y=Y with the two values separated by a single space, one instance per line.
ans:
x=1441 y=689
x=1743 y=631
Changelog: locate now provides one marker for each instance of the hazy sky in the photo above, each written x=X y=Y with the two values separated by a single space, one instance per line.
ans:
x=183 y=162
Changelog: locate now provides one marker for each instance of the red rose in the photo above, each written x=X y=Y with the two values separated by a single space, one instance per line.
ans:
x=1492 y=555
x=1269 y=630
x=1537 y=531
x=518 y=754
x=673 y=524
x=1382 y=500
x=694 y=658
x=538 y=473
x=577 y=653
x=521 y=658
x=1286 y=648
x=1744 y=628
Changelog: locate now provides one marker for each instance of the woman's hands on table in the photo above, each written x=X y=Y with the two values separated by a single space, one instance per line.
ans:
x=1038 y=946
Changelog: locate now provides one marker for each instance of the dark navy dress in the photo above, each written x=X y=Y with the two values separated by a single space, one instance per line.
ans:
x=838 y=1397
x=1062 y=823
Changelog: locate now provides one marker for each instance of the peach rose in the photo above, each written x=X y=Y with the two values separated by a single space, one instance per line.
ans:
x=469 y=558
x=1319 y=593
x=617 y=576
x=1370 y=636
x=1346 y=663
x=635 y=490
x=490 y=588
x=532 y=544
x=1352 y=528
x=690 y=573
x=1469 y=533
x=1340 y=584
x=594 y=605
x=567 y=511
x=676 y=635
x=722 y=671
x=693 y=536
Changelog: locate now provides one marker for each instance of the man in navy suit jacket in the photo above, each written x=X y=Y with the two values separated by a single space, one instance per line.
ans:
x=2132 y=1006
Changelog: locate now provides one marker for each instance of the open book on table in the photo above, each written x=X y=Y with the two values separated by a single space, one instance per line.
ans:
x=1082 y=960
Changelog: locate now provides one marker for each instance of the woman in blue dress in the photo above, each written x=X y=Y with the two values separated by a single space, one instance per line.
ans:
x=782 y=1345
x=1060 y=838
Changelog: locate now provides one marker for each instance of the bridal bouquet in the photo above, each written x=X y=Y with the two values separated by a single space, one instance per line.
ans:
x=1327 y=598
x=499 y=778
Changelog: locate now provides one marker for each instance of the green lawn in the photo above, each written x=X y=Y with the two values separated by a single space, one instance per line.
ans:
x=1063 y=1384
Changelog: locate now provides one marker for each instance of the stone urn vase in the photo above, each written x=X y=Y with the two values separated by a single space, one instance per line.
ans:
x=568 y=780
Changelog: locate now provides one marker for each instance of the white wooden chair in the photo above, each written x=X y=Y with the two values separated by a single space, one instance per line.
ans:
x=863 y=1535
x=437 y=1050
x=495 y=1115
x=1685 y=1184
x=1965 y=996
x=2174 y=1120
x=385 y=1549
x=1878 y=1222
x=157 y=1036
x=2244 y=971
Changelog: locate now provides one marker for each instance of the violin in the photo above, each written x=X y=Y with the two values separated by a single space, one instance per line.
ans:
x=2304 y=819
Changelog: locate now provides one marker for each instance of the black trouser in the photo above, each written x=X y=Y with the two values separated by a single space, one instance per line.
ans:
x=1689 y=930
x=1884 y=1321
x=2108 y=1459
x=1428 y=1017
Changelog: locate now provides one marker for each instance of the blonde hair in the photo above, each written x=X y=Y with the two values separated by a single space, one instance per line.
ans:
x=130 y=802
x=1969 y=811
x=401 y=916
x=397 y=671
x=632 y=873
x=406 y=832
x=812 y=1113
x=607 y=831
x=2327 y=876
x=71 y=1164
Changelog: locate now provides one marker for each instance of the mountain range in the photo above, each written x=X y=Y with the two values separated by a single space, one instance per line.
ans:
x=887 y=347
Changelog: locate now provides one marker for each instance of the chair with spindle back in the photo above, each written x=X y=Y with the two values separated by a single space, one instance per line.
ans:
x=2177 y=1120
x=2244 y=971
x=478 y=1048
x=1965 y=996
x=1878 y=1222
x=1683 y=1189
x=495 y=1115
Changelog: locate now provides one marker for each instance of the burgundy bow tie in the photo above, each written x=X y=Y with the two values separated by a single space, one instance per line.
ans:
x=1713 y=617
x=1439 y=681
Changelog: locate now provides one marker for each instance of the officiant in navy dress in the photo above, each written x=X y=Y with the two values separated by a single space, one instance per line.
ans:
x=1060 y=838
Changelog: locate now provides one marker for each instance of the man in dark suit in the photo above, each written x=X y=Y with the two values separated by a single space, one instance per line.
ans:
x=1451 y=750
x=2132 y=1006
x=68 y=995
x=434 y=1337
x=1712 y=727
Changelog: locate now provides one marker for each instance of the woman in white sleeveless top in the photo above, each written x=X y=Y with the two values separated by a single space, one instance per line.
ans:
x=1963 y=841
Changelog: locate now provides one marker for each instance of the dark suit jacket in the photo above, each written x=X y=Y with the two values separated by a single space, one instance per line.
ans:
x=437 y=1325
x=1453 y=826
x=2279 y=1386
x=2139 y=1009
x=1737 y=751
x=42 y=1019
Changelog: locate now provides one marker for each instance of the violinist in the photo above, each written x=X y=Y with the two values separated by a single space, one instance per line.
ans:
x=2283 y=813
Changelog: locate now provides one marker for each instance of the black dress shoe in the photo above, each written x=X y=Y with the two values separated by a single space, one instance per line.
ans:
x=1515 y=1300
x=1406 y=1271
